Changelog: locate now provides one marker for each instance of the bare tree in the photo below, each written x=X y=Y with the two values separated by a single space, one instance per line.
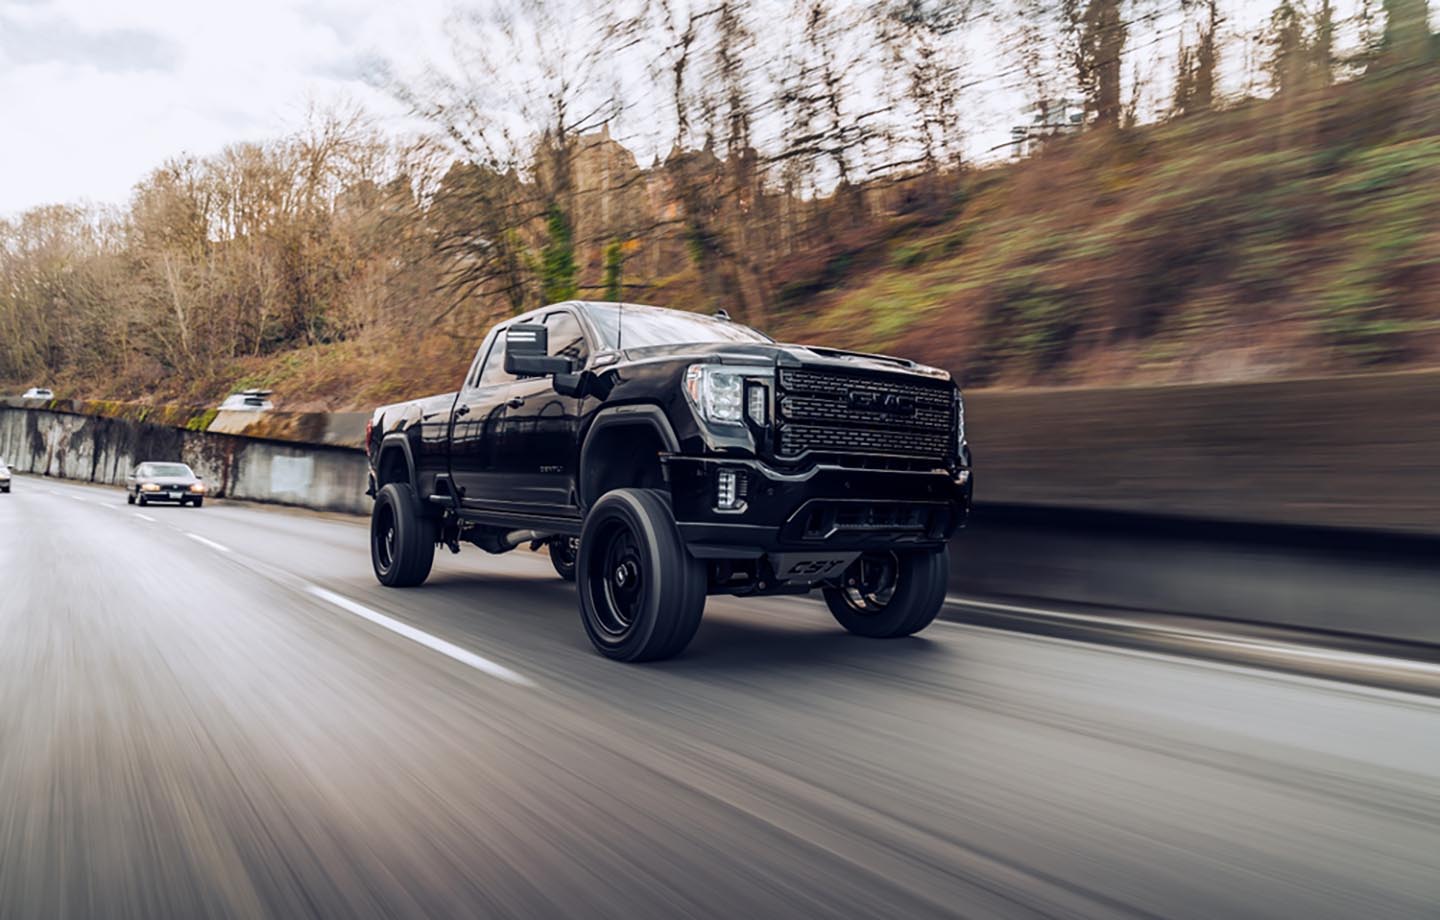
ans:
x=525 y=81
x=1198 y=61
x=920 y=41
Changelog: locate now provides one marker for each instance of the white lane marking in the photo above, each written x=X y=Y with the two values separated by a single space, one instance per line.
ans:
x=433 y=643
x=1315 y=653
x=144 y=517
x=210 y=543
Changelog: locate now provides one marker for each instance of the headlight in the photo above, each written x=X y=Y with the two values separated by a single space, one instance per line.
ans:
x=149 y=487
x=717 y=393
x=197 y=487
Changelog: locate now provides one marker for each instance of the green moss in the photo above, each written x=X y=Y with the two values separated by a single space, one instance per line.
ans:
x=202 y=421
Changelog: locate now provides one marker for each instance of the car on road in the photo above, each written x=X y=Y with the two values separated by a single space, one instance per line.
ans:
x=164 y=482
x=4 y=477
x=248 y=401
x=39 y=393
x=689 y=456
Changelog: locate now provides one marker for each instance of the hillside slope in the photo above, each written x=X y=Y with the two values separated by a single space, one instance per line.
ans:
x=1288 y=237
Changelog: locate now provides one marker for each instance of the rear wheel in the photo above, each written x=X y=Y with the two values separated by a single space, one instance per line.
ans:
x=562 y=556
x=891 y=594
x=641 y=592
x=402 y=539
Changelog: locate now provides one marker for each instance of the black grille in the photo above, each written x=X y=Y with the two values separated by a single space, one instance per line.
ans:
x=847 y=413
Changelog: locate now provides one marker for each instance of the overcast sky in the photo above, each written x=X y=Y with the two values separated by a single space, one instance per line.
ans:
x=96 y=93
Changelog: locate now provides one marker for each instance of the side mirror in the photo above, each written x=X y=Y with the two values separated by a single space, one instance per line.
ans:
x=526 y=347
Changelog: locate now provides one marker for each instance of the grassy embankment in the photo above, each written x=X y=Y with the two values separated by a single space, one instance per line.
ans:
x=1279 y=238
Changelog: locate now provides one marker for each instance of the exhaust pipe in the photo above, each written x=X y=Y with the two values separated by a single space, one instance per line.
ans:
x=495 y=541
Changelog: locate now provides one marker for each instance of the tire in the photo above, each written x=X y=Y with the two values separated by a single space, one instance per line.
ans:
x=899 y=594
x=129 y=498
x=563 y=551
x=641 y=592
x=402 y=539
x=198 y=502
x=144 y=501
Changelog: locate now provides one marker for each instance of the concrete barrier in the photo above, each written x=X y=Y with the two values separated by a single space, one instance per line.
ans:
x=105 y=450
x=1338 y=581
x=1346 y=452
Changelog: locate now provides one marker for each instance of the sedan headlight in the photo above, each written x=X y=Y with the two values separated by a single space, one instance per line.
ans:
x=197 y=487
x=149 y=487
x=717 y=393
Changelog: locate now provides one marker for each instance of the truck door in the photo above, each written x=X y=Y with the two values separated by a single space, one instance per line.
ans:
x=539 y=453
x=475 y=427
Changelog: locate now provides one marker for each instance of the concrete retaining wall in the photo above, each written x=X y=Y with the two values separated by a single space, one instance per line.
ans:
x=1347 y=452
x=1337 y=581
x=105 y=450
x=1360 y=453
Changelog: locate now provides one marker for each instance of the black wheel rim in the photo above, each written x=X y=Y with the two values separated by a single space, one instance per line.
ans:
x=870 y=583
x=617 y=580
x=384 y=536
x=564 y=550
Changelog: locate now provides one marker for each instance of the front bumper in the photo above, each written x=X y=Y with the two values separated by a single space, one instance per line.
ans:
x=170 y=495
x=825 y=508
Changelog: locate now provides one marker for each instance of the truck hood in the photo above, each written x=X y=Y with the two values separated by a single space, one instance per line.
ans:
x=784 y=355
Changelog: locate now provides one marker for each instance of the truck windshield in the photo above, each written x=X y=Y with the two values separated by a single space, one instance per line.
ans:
x=648 y=326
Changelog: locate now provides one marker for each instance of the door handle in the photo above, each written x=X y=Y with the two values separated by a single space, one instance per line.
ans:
x=516 y=402
x=463 y=410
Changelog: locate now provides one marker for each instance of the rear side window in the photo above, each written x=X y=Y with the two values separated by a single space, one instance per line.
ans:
x=494 y=370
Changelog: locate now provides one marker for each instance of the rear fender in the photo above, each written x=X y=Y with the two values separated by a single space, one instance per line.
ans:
x=387 y=467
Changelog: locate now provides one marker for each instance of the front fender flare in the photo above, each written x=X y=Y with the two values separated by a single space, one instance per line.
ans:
x=644 y=414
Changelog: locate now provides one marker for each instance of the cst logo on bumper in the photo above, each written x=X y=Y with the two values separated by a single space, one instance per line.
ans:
x=808 y=568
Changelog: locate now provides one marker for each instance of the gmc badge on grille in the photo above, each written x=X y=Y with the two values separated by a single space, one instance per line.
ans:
x=894 y=403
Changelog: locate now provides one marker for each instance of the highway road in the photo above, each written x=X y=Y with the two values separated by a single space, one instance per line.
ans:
x=218 y=712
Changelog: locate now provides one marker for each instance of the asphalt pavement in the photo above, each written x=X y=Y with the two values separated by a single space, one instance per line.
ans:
x=218 y=712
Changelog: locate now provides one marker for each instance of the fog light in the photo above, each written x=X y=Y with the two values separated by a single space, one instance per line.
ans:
x=727 y=491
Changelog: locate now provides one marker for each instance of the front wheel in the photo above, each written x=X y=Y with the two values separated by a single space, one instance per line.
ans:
x=886 y=595
x=402 y=539
x=641 y=592
x=129 y=498
x=198 y=502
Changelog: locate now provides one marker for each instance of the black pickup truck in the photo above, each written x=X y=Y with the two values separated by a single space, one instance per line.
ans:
x=663 y=456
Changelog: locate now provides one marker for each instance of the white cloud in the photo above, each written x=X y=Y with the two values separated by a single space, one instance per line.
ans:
x=94 y=94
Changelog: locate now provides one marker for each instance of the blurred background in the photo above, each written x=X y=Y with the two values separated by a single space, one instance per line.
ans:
x=1034 y=193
